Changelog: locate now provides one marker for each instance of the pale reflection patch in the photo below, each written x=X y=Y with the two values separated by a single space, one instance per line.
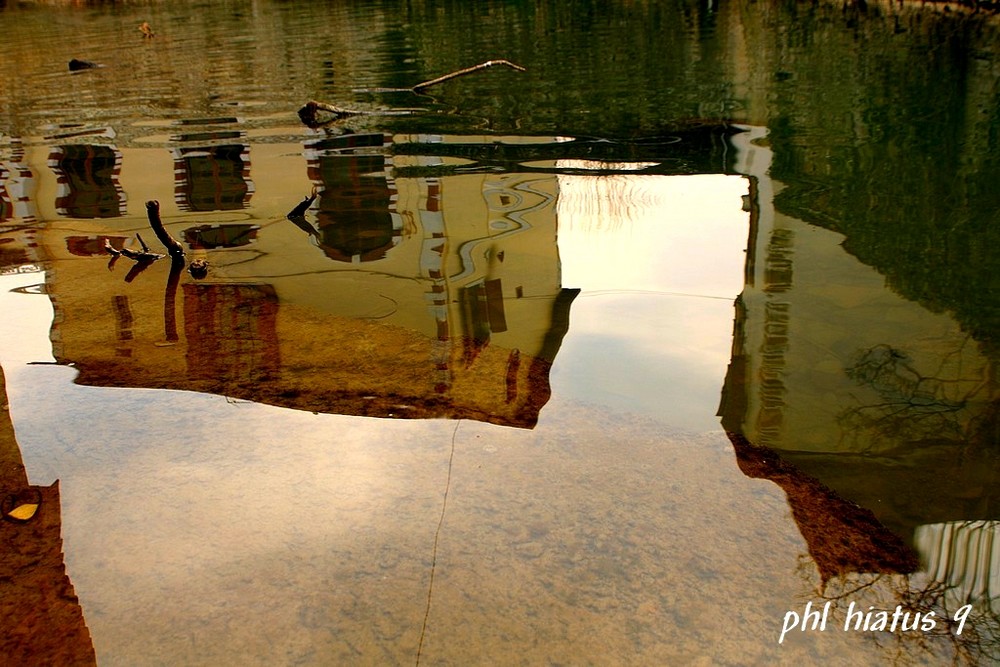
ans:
x=25 y=338
x=660 y=261
x=682 y=234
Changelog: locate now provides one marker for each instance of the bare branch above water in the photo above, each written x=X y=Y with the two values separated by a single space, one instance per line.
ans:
x=309 y=113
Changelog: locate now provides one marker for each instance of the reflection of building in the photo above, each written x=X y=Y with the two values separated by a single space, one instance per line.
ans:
x=888 y=405
x=88 y=180
x=208 y=237
x=236 y=329
x=443 y=298
x=41 y=621
x=966 y=556
x=16 y=183
x=17 y=243
x=356 y=217
x=212 y=178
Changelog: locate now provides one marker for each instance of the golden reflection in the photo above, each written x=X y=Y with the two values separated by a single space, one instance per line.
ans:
x=356 y=217
x=424 y=313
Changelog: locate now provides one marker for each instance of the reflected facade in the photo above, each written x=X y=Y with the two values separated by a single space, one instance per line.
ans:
x=420 y=314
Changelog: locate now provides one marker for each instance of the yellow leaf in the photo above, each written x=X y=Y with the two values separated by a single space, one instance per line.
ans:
x=23 y=512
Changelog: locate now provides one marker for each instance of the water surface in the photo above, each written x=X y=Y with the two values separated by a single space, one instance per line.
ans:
x=616 y=360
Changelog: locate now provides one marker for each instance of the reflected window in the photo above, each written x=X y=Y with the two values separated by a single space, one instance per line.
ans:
x=12 y=254
x=482 y=314
x=209 y=237
x=212 y=178
x=88 y=181
x=17 y=185
x=91 y=246
x=356 y=219
x=6 y=202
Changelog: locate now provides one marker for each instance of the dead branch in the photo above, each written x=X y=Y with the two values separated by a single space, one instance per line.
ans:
x=153 y=213
x=303 y=206
x=462 y=72
x=143 y=256
x=308 y=114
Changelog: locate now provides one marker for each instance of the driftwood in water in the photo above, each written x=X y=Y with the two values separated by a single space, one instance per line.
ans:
x=143 y=255
x=143 y=258
x=153 y=213
x=309 y=113
x=170 y=299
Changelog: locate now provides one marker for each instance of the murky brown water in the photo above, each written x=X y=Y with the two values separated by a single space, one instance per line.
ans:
x=595 y=363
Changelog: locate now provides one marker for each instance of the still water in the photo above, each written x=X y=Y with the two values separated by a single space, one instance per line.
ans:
x=633 y=357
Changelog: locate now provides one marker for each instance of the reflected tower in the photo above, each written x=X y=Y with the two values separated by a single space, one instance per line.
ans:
x=851 y=386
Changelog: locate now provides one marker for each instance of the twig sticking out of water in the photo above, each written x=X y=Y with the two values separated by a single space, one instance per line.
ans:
x=308 y=113
x=420 y=87
x=153 y=213
x=303 y=206
x=142 y=256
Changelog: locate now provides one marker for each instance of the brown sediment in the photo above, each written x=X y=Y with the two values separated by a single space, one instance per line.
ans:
x=842 y=537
